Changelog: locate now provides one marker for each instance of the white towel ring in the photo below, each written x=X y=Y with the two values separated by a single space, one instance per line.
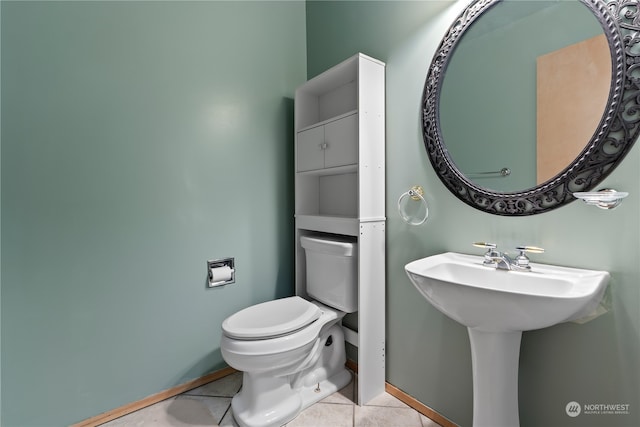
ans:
x=415 y=193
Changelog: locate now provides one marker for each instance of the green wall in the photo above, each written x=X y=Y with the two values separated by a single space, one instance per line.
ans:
x=428 y=355
x=139 y=139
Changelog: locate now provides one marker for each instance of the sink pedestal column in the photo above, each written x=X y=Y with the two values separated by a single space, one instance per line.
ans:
x=494 y=357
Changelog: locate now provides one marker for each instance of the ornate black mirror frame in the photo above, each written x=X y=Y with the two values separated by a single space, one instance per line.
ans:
x=612 y=140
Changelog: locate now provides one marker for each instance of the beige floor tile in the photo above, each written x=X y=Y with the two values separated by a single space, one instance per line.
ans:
x=229 y=421
x=209 y=405
x=385 y=399
x=344 y=396
x=324 y=415
x=428 y=422
x=227 y=386
x=149 y=416
x=185 y=408
x=378 y=416
x=196 y=410
x=181 y=411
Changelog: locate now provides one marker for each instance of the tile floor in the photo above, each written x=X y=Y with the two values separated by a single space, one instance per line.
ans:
x=210 y=404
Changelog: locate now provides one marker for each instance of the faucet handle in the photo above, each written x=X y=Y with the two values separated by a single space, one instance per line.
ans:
x=522 y=260
x=491 y=254
x=532 y=249
x=484 y=245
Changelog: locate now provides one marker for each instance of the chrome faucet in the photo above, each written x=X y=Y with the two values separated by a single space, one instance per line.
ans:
x=502 y=261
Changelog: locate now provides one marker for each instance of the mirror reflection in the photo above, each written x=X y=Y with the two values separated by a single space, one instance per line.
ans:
x=541 y=80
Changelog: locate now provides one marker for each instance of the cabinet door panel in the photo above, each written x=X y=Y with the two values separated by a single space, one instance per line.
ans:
x=310 y=151
x=341 y=137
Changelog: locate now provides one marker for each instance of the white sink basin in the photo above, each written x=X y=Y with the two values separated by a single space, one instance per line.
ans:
x=496 y=306
x=494 y=300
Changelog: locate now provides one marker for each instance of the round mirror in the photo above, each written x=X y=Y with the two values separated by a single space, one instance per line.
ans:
x=523 y=104
x=535 y=106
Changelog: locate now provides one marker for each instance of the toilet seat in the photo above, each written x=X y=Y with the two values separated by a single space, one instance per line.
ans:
x=279 y=353
x=271 y=319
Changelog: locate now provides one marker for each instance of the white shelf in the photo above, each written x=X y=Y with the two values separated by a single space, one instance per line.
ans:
x=329 y=120
x=328 y=224
x=330 y=171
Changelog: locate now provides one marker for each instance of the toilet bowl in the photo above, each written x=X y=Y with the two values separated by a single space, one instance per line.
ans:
x=284 y=372
x=291 y=350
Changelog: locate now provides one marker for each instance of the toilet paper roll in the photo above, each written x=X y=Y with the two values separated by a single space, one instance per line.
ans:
x=220 y=274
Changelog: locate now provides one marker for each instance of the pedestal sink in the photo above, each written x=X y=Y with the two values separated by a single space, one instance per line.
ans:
x=496 y=306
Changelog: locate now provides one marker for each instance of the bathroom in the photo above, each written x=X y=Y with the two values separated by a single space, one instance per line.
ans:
x=140 y=139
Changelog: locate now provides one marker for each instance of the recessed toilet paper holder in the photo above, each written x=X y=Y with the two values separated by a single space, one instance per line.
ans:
x=221 y=272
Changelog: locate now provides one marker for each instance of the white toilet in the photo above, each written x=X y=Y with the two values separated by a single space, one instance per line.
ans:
x=291 y=350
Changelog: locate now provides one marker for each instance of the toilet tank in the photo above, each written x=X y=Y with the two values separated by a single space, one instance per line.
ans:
x=332 y=271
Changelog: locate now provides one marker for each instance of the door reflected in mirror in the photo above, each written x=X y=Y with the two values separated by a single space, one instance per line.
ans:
x=525 y=89
x=573 y=85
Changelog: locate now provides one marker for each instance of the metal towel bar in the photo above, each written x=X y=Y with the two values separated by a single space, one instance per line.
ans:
x=502 y=172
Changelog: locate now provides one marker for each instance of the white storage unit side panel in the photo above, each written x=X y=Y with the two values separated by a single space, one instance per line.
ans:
x=371 y=314
x=372 y=139
x=307 y=200
x=301 y=266
x=306 y=109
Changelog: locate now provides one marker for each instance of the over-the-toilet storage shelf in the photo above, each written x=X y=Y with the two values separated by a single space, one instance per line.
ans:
x=340 y=189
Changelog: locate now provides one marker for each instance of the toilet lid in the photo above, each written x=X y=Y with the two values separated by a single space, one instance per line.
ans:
x=271 y=318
